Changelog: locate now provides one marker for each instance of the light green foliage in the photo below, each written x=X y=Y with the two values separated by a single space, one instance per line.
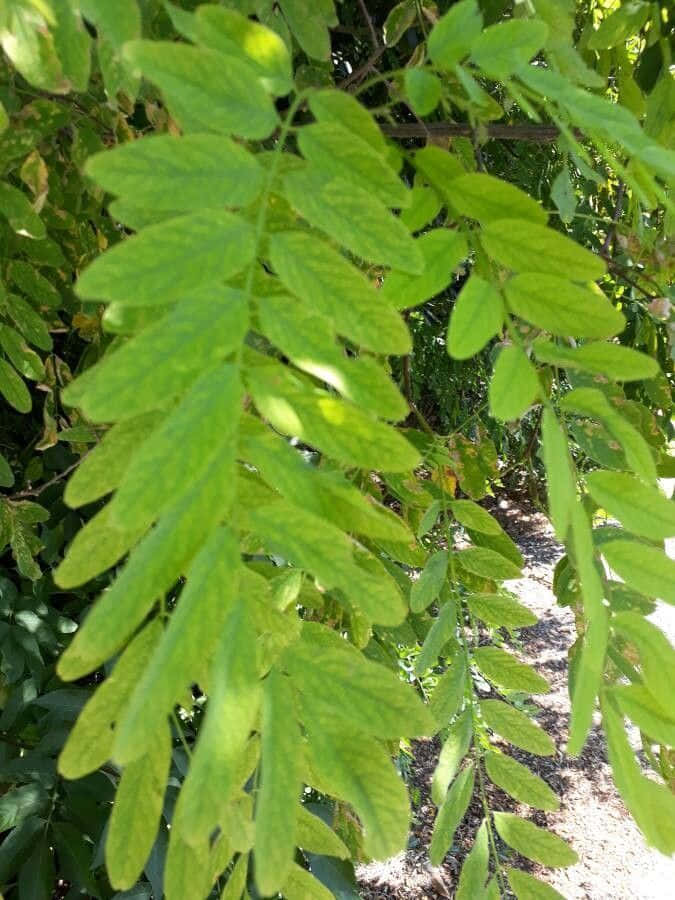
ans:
x=516 y=727
x=517 y=780
x=504 y=669
x=477 y=317
x=561 y=307
x=237 y=405
x=514 y=386
x=450 y=815
x=453 y=752
x=533 y=842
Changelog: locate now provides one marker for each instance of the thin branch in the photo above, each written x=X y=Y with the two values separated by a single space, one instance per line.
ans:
x=536 y=133
x=35 y=492
x=369 y=23
x=357 y=74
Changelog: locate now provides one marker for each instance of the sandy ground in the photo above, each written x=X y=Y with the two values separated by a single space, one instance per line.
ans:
x=614 y=862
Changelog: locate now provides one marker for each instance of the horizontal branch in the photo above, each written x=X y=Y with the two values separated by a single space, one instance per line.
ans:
x=537 y=133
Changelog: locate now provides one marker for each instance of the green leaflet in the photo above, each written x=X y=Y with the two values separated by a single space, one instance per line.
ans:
x=25 y=360
x=28 y=322
x=635 y=701
x=611 y=360
x=423 y=90
x=525 y=247
x=136 y=812
x=332 y=105
x=165 y=262
x=321 y=548
x=309 y=341
x=96 y=547
x=474 y=516
x=564 y=196
x=231 y=713
x=361 y=773
x=342 y=430
x=517 y=780
x=301 y=885
x=161 y=557
x=504 y=48
x=442 y=251
x=233 y=34
x=616 y=27
x=451 y=814
x=454 y=750
x=164 y=359
x=89 y=744
x=315 y=836
x=563 y=308
x=651 y=804
x=342 y=686
x=355 y=218
x=6 y=473
x=309 y=27
x=236 y=881
x=475 y=869
x=16 y=208
x=533 y=842
x=325 y=280
x=13 y=389
x=432 y=578
x=485 y=198
x=590 y=667
x=527 y=887
x=644 y=568
x=339 y=153
x=175 y=174
x=325 y=493
x=204 y=90
x=560 y=483
x=186 y=870
x=592 y=402
x=398 y=20
x=500 y=543
x=507 y=671
x=477 y=317
x=453 y=35
x=277 y=800
x=425 y=204
x=439 y=168
x=516 y=727
x=514 y=385
x=500 y=610
x=487 y=563
x=642 y=509
x=657 y=655
x=437 y=637
x=187 y=646
x=103 y=468
x=198 y=431
x=449 y=692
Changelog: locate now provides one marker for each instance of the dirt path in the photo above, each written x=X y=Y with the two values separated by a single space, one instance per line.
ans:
x=614 y=862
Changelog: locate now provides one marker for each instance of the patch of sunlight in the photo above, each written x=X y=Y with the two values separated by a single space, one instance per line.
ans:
x=332 y=411
x=329 y=374
x=280 y=411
